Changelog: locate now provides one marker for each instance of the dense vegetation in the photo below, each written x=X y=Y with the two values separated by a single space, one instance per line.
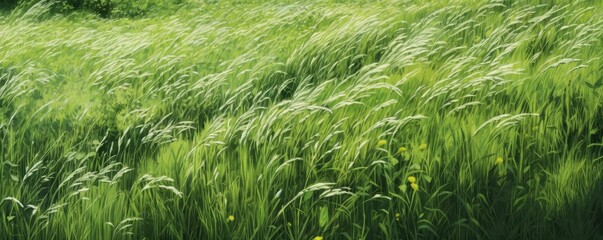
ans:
x=340 y=120
x=102 y=8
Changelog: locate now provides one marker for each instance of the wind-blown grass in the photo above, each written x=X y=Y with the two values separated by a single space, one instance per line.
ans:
x=304 y=120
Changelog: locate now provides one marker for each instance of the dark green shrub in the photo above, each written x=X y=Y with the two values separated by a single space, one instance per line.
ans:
x=104 y=8
x=139 y=7
x=7 y=4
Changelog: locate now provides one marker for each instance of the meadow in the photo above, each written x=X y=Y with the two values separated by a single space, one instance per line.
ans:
x=394 y=119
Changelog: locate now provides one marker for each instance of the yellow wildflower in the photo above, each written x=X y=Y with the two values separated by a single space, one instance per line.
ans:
x=397 y=215
x=401 y=149
x=381 y=143
x=423 y=146
x=414 y=186
x=231 y=218
x=412 y=179
x=317 y=238
x=499 y=160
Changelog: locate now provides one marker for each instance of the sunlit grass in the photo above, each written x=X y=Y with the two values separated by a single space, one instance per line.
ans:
x=307 y=120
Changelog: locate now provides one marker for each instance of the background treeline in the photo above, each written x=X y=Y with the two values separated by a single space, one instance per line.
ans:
x=104 y=8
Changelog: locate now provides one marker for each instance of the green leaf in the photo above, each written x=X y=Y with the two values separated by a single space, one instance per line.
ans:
x=307 y=195
x=427 y=178
x=595 y=85
x=324 y=216
x=415 y=166
x=79 y=156
x=403 y=187
x=384 y=229
x=10 y=164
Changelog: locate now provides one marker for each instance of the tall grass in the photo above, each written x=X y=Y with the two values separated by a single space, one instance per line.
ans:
x=303 y=120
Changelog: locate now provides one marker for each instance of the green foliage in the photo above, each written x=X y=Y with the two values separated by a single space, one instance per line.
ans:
x=104 y=8
x=141 y=7
x=338 y=119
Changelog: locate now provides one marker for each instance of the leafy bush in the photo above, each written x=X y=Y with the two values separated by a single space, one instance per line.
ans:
x=104 y=8
x=139 y=7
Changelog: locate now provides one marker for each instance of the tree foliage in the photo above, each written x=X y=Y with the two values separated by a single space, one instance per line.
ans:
x=104 y=8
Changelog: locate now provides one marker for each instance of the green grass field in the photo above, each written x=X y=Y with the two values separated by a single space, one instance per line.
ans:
x=304 y=120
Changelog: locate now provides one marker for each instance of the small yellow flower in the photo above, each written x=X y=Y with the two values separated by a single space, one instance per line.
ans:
x=499 y=160
x=381 y=143
x=423 y=146
x=317 y=238
x=401 y=149
x=397 y=215
x=412 y=179
x=231 y=218
x=414 y=186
